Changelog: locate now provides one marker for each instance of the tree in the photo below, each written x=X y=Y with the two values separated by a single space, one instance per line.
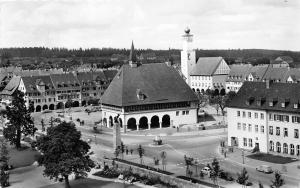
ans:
x=260 y=185
x=20 y=121
x=219 y=102
x=215 y=171
x=242 y=177
x=64 y=153
x=163 y=156
x=203 y=99
x=43 y=125
x=117 y=152
x=188 y=162
x=278 y=181
x=141 y=153
x=3 y=152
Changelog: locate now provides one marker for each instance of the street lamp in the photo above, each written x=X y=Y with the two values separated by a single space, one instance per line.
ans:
x=243 y=156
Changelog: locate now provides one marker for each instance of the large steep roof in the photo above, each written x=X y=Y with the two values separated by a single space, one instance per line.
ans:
x=31 y=82
x=158 y=82
x=238 y=73
x=206 y=66
x=253 y=92
x=12 y=85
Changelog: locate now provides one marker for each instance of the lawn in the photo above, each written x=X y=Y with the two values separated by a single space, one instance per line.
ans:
x=23 y=157
x=272 y=158
x=91 y=183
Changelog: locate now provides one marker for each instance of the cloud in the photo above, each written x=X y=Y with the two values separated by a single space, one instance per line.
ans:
x=156 y=24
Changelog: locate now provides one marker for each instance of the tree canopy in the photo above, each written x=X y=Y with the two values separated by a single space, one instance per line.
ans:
x=64 y=152
x=20 y=121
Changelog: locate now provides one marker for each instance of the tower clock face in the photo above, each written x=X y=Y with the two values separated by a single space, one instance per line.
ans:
x=189 y=56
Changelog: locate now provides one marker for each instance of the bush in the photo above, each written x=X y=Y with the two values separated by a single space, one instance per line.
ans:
x=108 y=173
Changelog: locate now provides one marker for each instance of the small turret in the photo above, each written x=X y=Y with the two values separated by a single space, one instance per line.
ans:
x=132 y=57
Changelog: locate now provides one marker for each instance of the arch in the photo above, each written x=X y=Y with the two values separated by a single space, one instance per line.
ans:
x=216 y=92
x=51 y=107
x=45 y=107
x=292 y=149
x=198 y=90
x=193 y=89
x=68 y=104
x=154 y=122
x=166 y=121
x=222 y=92
x=278 y=147
x=285 y=148
x=271 y=145
x=121 y=122
x=110 y=120
x=105 y=122
x=83 y=103
x=131 y=124
x=202 y=90
x=75 y=104
x=60 y=105
x=38 y=108
x=143 y=123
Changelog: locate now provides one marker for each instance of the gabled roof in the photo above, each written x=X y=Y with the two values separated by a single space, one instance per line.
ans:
x=31 y=82
x=206 y=66
x=12 y=85
x=67 y=79
x=238 y=72
x=284 y=58
x=294 y=74
x=158 y=82
x=258 y=72
x=90 y=76
x=287 y=93
x=275 y=73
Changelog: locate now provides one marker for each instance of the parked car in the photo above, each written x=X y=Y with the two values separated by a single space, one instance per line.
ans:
x=206 y=170
x=265 y=169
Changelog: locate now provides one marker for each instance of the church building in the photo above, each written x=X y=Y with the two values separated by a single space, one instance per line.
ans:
x=206 y=72
x=147 y=96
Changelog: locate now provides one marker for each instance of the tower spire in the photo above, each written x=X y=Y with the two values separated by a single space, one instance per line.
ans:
x=132 y=56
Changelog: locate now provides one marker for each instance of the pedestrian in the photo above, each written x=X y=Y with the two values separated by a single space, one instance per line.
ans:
x=131 y=151
x=225 y=154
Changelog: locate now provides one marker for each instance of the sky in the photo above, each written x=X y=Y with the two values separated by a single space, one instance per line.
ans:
x=156 y=24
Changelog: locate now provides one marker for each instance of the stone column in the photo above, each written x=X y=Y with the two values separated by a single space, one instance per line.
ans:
x=116 y=135
x=160 y=124
x=124 y=128
x=149 y=126
x=137 y=127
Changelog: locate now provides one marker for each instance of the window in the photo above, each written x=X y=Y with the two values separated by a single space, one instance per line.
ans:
x=296 y=133
x=256 y=128
x=277 y=131
x=271 y=130
x=298 y=150
x=245 y=141
x=250 y=142
x=249 y=114
x=262 y=129
x=244 y=126
x=283 y=104
x=285 y=148
x=278 y=147
x=270 y=117
x=285 y=132
x=239 y=126
x=296 y=105
x=292 y=149
x=244 y=114
x=255 y=115
x=249 y=127
x=177 y=113
x=261 y=116
x=187 y=112
x=271 y=146
x=296 y=119
x=183 y=112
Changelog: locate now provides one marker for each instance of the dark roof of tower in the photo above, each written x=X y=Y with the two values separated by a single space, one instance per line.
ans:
x=132 y=55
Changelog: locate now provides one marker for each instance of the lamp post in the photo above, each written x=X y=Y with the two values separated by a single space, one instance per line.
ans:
x=243 y=156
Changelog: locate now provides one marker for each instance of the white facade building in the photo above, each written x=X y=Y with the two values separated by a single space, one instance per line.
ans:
x=266 y=115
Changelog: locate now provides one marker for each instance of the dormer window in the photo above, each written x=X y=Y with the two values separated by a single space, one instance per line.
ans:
x=140 y=95
x=271 y=103
x=283 y=104
x=295 y=105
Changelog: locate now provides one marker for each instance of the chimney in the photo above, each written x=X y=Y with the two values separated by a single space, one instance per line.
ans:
x=267 y=84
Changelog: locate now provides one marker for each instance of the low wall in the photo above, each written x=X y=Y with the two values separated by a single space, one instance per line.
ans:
x=163 y=177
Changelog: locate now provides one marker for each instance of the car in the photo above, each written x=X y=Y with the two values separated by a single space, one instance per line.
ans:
x=265 y=169
x=205 y=170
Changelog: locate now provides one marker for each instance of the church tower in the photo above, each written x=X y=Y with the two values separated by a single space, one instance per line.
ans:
x=188 y=55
